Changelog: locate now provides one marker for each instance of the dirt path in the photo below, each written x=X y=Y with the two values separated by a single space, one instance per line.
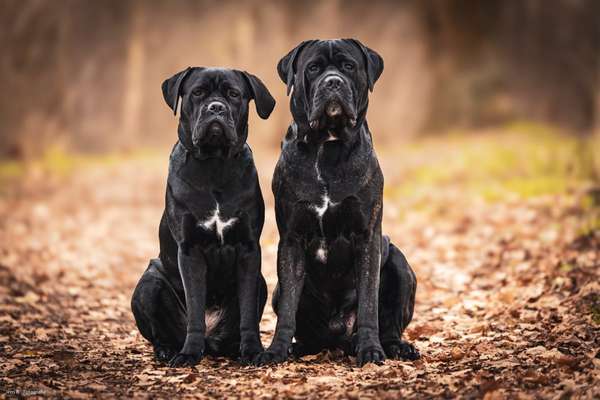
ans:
x=508 y=300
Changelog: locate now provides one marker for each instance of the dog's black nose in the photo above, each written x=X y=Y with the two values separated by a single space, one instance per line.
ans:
x=216 y=107
x=333 y=82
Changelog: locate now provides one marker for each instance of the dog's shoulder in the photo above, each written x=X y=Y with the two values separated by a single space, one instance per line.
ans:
x=290 y=135
x=178 y=158
x=246 y=159
x=290 y=160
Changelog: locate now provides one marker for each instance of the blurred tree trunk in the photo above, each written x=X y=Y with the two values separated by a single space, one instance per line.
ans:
x=30 y=109
x=134 y=78
x=533 y=58
x=61 y=71
x=87 y=74
x=596 y=140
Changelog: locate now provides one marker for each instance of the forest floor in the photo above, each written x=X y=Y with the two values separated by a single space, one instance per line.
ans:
x=502 y=229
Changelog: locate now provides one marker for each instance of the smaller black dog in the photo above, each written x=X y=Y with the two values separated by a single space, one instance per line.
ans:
x=205 y=292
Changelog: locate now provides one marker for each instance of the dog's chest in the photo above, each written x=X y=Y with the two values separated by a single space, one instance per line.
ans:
x=320 y=210
x=329 y=226
x=217 y=223
x=332 y=198
x=333 y=218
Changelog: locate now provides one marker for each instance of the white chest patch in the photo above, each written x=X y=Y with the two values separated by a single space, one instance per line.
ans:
x=321 y=253
x=331 y=137
x=219 y=224
x=320 y=210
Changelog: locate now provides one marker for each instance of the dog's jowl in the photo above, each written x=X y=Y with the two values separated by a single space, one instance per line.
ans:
x=205 y=292
x=341 y=283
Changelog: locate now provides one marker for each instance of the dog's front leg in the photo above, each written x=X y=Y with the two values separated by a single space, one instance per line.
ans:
x=248 y=271
x=192 y=267
x=290 y=274
x=368 y=347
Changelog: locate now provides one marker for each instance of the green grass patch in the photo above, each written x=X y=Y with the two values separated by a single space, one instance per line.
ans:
x=566 y=267
x=57 y=162
x=521 y=160
x=590 y=206
x=590 y=223
x=11 y=169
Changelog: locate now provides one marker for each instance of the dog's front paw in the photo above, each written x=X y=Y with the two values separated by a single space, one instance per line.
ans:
x=270 y=357
x=186 y=360
x=370 y=354
x=249 y=351
x=401 y=350
x=164 y=353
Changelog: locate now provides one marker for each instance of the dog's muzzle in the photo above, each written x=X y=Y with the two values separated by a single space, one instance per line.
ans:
x=332 y=103
x=215 y=127
x=333 y=83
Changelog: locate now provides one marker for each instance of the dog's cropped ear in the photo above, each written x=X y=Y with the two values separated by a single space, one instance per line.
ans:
x=262 y=98
x=286 y=68
x=373 y=63
x=171 y=88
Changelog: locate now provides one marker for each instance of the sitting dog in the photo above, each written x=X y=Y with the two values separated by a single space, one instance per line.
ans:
x=205 y=292
x=341 y=283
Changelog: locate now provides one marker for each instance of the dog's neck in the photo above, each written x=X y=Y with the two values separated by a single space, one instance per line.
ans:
x=209 y=172
x=353 y=138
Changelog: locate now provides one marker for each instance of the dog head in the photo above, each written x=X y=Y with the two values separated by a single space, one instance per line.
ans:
x=213 y=120
x=330 y=80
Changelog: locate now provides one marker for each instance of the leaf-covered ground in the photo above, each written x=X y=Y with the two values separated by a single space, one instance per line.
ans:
x=503 y=237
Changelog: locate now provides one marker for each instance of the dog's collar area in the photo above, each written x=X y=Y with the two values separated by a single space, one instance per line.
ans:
x=234 y=152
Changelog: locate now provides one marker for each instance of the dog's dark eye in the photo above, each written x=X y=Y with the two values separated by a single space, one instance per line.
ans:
x=348 y=66
x=314 y=67
x=233 y=93
x=198 y=92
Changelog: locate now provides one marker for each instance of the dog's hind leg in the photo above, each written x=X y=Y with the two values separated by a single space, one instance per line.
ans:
x=159 y=312
x=396 y=304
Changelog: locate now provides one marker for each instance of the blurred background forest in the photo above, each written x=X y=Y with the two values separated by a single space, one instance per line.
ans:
x=486 y=123
x=85 y=76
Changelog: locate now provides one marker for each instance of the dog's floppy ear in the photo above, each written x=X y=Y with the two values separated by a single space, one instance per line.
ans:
x=262 y=98
x=373 y=63
x=171 y=88
x=286 y=68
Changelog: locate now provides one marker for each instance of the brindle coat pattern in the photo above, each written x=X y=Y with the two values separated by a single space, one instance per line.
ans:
x=340 y=282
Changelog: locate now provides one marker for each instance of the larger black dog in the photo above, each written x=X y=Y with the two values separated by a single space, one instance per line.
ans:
x=205 y=292
x=341 y=283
